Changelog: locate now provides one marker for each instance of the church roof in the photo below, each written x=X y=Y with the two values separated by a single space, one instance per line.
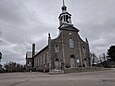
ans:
x=68 y=28
x=29 y=54
x=41 y=50
x=64 y=13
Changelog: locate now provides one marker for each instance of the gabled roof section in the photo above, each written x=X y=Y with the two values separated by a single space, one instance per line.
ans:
x=29 y=55
x=68 y=28
x=46 y=47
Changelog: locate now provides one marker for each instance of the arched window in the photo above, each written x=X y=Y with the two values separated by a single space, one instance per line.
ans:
x=56 y=48
x=47 y=57
x=67 y=19
x=38 y=61
x=71 y=43
x=84 y=49
x=85 y=62
x=43 y=58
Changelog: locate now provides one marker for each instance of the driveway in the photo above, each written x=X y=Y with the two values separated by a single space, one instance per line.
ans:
x=100 y=78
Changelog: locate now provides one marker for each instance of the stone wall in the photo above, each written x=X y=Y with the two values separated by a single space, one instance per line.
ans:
x=41 y=60
x=1 y=68
x=84 y=69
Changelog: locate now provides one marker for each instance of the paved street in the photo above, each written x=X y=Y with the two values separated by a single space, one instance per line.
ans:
x=100 y=78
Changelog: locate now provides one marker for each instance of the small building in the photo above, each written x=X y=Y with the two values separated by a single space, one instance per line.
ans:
x=108 y=64
x=68 y=50
x=29 y=61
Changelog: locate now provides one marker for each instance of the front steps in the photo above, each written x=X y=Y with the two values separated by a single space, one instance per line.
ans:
x=55 y=71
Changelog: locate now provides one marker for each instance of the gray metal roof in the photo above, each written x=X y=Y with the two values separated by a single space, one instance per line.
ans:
x=29 y=54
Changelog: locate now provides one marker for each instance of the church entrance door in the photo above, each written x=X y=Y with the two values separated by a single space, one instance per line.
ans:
x=85 y=62
x=57 y=64
x=72 y=61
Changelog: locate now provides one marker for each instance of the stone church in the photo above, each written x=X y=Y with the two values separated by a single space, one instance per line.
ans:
x=68 y=50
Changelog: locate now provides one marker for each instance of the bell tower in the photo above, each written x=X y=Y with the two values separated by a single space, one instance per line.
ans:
x=64 y=17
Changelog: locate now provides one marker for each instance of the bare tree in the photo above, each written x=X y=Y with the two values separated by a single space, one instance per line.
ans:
x=94 y=59
x=14 y=67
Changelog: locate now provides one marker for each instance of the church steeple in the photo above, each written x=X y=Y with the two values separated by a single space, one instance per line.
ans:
x=65 y=17
x=64 y=7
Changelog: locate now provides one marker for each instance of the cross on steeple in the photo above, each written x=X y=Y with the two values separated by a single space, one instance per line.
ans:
x=63 y=3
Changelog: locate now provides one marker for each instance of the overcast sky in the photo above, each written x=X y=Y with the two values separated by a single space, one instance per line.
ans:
x=23 y=22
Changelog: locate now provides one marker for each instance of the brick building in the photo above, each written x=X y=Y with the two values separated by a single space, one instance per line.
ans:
x=29 y=59
x=68 y=50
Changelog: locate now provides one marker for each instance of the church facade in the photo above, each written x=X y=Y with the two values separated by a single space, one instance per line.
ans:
x=68 y=50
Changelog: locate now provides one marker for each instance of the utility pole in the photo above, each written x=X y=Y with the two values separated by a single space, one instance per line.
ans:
x=0 y=56
x=0 y=36
x=0 y=51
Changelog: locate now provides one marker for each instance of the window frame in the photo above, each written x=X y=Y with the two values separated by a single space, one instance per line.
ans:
x=71 y=43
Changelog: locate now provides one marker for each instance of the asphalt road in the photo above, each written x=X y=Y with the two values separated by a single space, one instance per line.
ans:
x=100 y=78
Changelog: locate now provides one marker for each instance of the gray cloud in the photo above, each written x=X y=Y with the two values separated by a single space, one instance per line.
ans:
x=23 y=22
